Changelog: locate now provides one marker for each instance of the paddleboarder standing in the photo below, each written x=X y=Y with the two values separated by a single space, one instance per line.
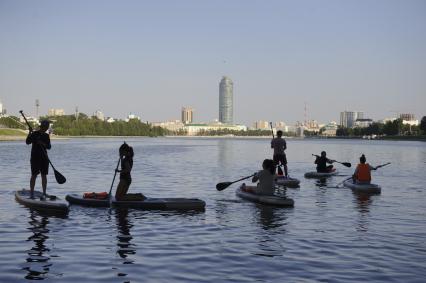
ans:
x=40 y=141
x=279 y=145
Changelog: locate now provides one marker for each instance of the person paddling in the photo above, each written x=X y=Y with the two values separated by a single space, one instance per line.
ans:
x=362 y=174
x=40 y=141
x=126 y=159
x=279 y=145
x=321 y=162
x=266 y=184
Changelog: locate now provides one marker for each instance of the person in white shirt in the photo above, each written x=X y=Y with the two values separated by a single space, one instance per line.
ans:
x=266 y=184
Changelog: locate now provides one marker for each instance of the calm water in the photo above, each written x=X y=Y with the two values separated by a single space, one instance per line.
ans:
x=330 y=235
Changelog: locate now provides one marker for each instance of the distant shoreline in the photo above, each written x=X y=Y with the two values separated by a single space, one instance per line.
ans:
x=5 y=138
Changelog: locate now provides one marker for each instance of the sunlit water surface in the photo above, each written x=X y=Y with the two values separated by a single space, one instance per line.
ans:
x=331 y=234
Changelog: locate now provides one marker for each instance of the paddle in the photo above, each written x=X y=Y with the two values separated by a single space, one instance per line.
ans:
x=58 y=176
x=383 y=165
x=347 y=164
x=280 y=171
x=113 y=179
x=224 y=185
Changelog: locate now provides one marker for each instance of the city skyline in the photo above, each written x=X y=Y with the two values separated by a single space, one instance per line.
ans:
x=151 y=58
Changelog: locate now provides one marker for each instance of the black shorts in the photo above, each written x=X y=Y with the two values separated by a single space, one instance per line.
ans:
x=280 y=158
x=39 y=166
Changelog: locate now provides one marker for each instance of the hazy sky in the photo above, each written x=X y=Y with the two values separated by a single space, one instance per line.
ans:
x=153 y=57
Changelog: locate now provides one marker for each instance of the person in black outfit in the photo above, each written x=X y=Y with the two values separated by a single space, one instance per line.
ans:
x=39 y=160
x=321 y=162
x=126 y=158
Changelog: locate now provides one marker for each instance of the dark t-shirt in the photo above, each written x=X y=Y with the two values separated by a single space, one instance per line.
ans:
x=126 y=165
x=321 y=163
x=37 y=150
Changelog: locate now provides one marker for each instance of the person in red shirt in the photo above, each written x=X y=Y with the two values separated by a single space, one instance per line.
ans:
x=362 y=174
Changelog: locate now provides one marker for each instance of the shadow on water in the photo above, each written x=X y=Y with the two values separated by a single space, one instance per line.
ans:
x=362 y=203
x=38 y=256
x=125 y=247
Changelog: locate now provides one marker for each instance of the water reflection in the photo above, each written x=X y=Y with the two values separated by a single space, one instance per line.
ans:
x=225 y=152
x=125 y=247
x=38 y=258
x=362 y=202
x=272 y=222
x=321 y=182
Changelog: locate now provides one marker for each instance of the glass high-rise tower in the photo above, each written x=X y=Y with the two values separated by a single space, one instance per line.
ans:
x=226 y=104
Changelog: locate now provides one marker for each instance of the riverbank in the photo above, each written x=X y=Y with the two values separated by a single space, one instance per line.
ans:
x=390 y=138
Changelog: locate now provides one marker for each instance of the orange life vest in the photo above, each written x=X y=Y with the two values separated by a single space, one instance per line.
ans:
x=363 y=173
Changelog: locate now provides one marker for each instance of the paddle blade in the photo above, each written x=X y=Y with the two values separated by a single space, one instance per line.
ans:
x=347 y=164
x=59 y=177
x=222 y=186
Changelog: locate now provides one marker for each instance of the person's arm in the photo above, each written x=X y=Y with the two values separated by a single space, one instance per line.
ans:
x=272 y=143
x=371 y=167
x=316 y=160
x=285 y=145
x=255 y=177
x=29 y=139
x=355 y=173
x=330 y=161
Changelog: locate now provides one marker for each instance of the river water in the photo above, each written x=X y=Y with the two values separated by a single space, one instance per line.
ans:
x=331 y=234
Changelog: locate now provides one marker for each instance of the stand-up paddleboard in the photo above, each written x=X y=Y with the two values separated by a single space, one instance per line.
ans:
x=50 y=204
x=363 y=188
x=263 y=199
x=314 y=174
x=147 y=204
x=286 y=181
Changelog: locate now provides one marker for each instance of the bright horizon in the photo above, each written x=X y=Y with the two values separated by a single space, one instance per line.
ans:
x=152 y=58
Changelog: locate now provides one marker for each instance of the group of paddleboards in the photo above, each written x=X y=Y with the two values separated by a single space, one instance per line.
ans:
x=263 y=192
x=268 y=178
x=40 y=161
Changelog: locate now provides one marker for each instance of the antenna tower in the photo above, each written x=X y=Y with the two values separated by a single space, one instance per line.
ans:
x=37 y=105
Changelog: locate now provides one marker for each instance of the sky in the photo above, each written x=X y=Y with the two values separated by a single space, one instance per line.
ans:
x=151 y=58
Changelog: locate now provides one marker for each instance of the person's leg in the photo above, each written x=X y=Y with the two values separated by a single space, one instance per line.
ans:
x=277 y=159
x=32 y=184
x=284 y=162
x=122 y=189
x=44 y=183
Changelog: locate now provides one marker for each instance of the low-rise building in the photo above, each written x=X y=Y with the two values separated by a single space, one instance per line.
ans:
x=195 y=129
x=363 y=123
x=330 y=129
x=56 y=112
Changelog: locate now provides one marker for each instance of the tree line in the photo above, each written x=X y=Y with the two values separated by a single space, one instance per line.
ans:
x=68 y=125
x=390 y=128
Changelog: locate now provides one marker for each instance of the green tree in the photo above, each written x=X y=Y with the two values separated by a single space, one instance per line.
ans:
x=423 y=125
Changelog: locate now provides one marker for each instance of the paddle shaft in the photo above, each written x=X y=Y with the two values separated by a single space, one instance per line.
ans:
x=242 y=179
x=113 y=179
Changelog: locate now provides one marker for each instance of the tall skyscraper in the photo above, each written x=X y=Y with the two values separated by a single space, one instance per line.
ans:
x=348 y=118
x=187 y=115
x=226 y=105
